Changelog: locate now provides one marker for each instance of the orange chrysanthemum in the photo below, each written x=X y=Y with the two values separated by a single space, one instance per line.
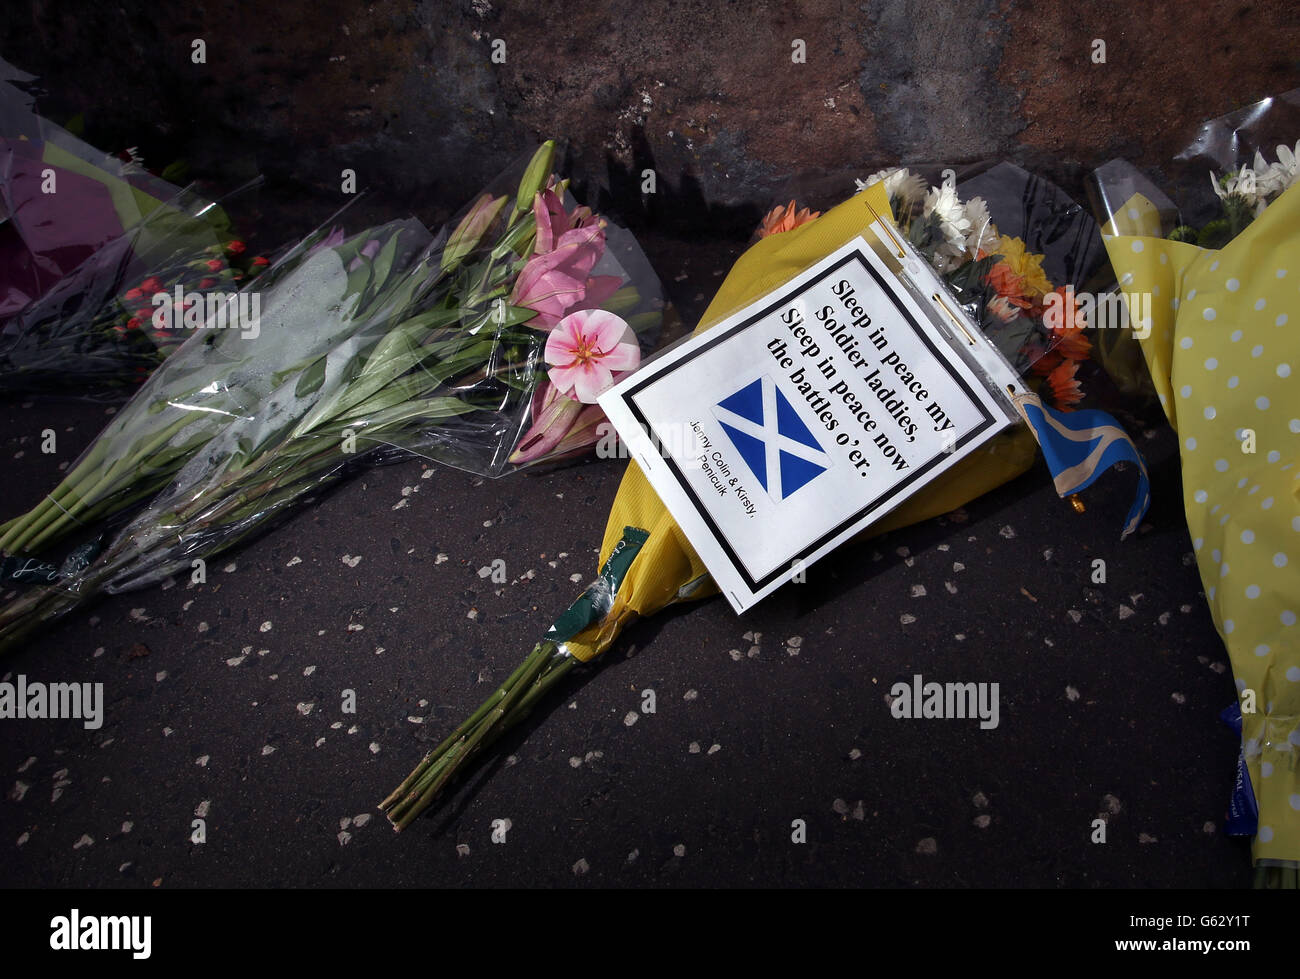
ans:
x=785 y=219
x=1066 y=391
x=1073 y=344
x=1007 y=284
x=1065 y=324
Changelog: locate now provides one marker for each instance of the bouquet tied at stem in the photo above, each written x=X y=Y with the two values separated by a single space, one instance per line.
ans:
x=389 y=342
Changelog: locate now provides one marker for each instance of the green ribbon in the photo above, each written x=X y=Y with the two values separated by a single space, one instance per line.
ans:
x=595 y=602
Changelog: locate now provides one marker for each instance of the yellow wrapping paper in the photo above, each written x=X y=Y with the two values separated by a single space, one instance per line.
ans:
x=1224 y=340
x=668 y=569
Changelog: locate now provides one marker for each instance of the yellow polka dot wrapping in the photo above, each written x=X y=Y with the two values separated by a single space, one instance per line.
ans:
x=1222 y=346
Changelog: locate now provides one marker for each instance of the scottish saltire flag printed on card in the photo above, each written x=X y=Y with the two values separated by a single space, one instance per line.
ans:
x=790 y=426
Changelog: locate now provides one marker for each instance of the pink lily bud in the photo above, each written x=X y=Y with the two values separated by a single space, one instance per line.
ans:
x=471 y=229
x=553 y=414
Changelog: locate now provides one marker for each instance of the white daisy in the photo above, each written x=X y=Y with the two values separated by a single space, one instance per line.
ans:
x=1273 y=178
x=900 y=184
x=1243 y=182
x=983 y=233
x=946 y=206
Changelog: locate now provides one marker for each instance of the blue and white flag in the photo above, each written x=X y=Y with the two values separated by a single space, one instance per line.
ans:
x=1080 y=445
x=776 y=445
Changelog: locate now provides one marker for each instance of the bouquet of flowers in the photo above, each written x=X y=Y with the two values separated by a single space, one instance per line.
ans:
x=1001 y=281
x=1214 y=280
x=61 y=200
x=104 y=327
x=467 y=347
x=647 y=562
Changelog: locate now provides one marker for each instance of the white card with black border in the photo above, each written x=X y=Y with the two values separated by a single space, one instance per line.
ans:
x=796 y=422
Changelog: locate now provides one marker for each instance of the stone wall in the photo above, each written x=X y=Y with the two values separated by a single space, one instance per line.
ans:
x=707 y=93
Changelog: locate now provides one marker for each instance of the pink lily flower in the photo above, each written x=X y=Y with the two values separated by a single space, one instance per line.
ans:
x=553 y=221
x=553 y=283
x=585 y=349
x=561 y=427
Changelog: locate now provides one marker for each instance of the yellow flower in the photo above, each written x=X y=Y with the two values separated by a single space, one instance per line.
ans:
x=1025 y=264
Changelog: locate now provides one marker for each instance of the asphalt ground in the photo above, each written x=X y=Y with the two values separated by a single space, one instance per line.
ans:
x=224 y=701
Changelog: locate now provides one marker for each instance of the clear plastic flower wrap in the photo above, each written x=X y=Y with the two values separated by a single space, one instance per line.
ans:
x=102 y=328
x=1213 y=189
x=390 y=342
x=61 y=200
x=1016 y=252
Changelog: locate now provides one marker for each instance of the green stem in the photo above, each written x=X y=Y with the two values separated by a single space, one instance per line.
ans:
x=540 y=672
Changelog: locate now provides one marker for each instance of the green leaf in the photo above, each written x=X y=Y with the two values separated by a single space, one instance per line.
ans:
x=311 y=379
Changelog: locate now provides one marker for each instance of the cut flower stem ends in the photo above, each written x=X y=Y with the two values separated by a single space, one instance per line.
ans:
x=536 y=676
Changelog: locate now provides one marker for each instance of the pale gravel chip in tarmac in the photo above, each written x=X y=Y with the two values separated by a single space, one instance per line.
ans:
x=928 y=847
